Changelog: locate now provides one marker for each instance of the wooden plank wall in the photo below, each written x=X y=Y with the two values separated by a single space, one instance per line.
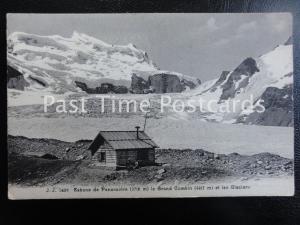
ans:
x=111 y=157
x=123 y=156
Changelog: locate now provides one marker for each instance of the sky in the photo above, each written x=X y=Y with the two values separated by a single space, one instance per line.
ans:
x=195 y=44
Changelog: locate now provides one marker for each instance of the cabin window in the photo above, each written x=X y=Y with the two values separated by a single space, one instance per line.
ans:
x=142 y=155
x=102 y=157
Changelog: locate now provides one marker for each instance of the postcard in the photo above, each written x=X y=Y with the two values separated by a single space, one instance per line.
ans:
x=150 y=105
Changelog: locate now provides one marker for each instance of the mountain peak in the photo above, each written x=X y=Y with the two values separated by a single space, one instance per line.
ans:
x=247 y=67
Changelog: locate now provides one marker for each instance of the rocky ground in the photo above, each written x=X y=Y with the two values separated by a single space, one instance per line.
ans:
x=28 y=164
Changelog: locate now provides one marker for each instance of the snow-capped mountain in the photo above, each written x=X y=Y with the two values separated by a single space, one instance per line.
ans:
x=266 y=80
x=82 y=63
x=54 y=63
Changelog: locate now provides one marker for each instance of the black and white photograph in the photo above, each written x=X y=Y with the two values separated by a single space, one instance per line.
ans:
x=142 y=105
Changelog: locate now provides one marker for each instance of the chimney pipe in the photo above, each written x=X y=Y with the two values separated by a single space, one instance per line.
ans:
x=137 y=132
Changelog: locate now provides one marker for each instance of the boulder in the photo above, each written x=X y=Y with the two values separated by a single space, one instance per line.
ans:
x=268 y=167
x=204 y=172
x=259 y=162
x=161 y=171
x=216 y=156
x=166 y=165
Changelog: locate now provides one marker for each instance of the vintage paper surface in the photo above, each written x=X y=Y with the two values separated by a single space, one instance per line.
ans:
x=150 y=105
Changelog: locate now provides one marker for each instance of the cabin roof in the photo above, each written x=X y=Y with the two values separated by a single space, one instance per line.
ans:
x=123 y=140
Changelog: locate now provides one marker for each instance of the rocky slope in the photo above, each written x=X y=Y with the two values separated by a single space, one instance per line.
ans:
x=162 y=83
x=55 y=63
x=27 y=167
x=278 y=103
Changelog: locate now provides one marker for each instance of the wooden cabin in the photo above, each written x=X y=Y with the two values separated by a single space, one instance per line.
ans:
x=121 y=149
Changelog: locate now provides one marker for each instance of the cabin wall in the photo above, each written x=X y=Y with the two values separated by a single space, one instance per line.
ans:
x=126 y=156
x=122 y=158
x=110 y=158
